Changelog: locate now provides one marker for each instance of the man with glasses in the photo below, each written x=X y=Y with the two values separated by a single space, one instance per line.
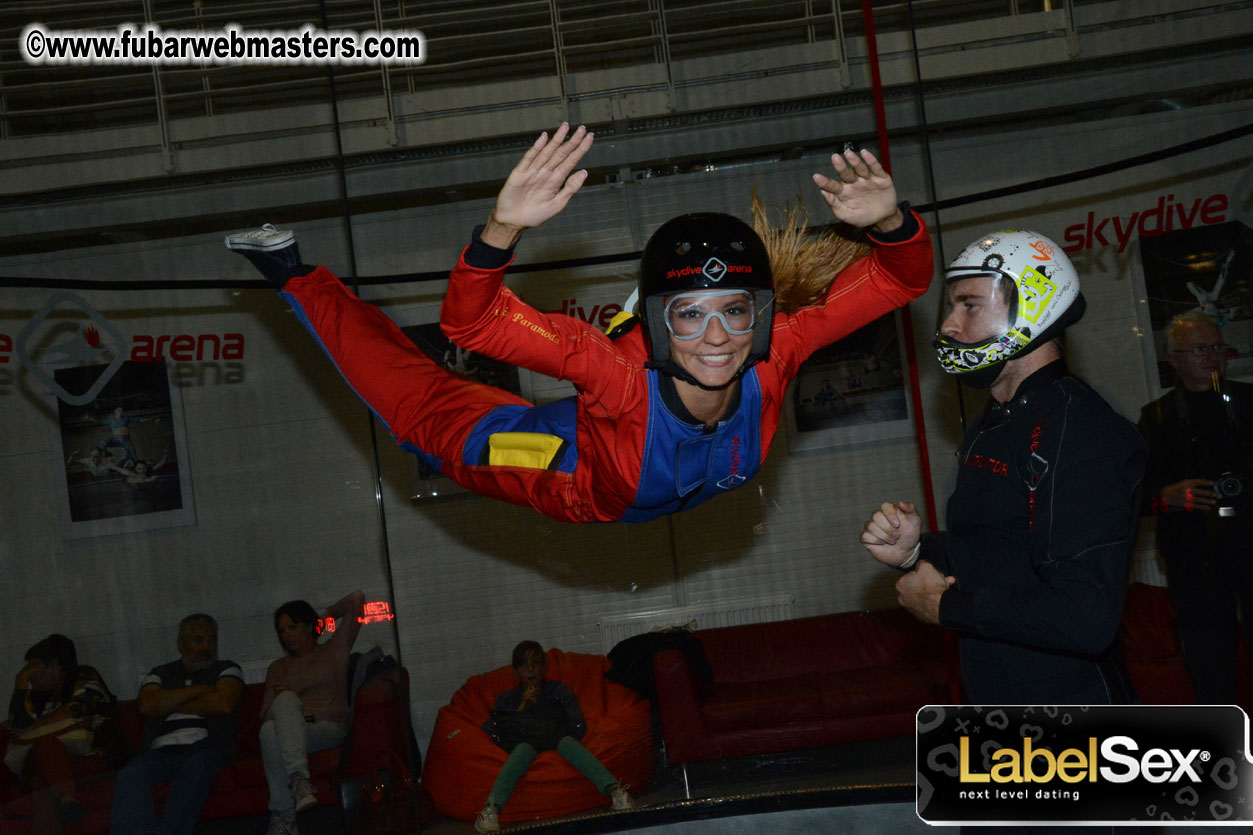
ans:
x=673 y=407
x=1200 y=458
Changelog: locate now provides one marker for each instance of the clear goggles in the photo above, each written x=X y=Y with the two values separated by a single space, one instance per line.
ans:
x=687 y=314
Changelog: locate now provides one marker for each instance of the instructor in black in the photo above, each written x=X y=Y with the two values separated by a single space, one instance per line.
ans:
x=1031 y=571
x=1200 y=456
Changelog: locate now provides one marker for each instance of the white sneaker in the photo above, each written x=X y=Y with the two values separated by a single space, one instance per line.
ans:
x=281 y=826
x=622 y=799
x=302 y=793
x=486 y=821
x=260 y=240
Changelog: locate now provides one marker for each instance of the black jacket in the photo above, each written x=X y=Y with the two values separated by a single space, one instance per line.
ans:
x=556 y=713
x=1199 y=435
x=1039 y=531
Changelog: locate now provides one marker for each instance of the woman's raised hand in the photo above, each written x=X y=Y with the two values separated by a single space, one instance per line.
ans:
x=862 y=192
x=540 y=185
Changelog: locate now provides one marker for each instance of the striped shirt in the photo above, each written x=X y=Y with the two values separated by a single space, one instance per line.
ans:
x=191 y=728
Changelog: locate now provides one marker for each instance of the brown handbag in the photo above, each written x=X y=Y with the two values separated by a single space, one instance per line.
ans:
x=386 y=801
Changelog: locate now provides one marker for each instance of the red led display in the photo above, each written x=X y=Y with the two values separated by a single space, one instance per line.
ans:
x=372 y=612
x=376 y=611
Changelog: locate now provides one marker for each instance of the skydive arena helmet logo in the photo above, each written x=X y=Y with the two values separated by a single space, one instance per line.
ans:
x=1100 y=764
x=49 y=341
x=714 y=269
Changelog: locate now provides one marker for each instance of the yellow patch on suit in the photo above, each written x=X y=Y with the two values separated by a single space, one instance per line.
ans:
x=533 y=450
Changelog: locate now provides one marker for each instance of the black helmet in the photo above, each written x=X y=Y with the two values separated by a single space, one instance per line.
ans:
x=703 y=251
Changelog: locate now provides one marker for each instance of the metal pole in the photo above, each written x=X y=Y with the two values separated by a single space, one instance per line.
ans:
x=393 y=138
x=554 y=16
x=341 y=170
x=911 y=354
x=841 y=46
x=665 y=53
x=167 y=158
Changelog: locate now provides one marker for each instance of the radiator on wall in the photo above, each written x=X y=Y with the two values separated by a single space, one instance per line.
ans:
x=617 y=628
x=254 y=671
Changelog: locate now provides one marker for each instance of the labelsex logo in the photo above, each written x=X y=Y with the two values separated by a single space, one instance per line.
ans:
x=1039 y=765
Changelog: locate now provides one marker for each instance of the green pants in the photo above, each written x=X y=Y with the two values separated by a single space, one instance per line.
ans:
x=571 y=750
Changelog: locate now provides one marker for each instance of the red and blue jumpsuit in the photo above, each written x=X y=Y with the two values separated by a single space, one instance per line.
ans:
x=623 y=448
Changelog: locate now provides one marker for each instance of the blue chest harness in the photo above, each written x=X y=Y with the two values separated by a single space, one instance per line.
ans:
x=686 y=464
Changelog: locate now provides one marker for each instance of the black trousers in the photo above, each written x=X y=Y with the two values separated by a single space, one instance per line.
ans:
x=1205 y=583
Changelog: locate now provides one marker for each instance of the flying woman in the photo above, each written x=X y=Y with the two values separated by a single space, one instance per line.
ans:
x=673 y=406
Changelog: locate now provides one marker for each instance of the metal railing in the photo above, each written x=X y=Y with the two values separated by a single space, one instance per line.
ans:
x=511 y=54
x=467 y=43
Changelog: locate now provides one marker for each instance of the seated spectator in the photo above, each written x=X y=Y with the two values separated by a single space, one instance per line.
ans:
x=535 y=716
x=56 y=707
x=305 y=704
x=191 y=712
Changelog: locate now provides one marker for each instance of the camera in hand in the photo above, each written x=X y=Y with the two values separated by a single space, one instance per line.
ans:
x=1229 y=487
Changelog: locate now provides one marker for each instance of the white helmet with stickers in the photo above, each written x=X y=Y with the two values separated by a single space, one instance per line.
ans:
x=1045 y=299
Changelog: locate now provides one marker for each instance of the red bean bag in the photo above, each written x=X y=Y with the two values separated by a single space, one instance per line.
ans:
x=462 y=762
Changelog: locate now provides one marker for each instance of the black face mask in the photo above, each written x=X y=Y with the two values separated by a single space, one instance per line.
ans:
x=982 y=378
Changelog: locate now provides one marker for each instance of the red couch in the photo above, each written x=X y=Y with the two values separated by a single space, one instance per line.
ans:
x=802 y=683
x=378 y=739
x=1153 y=656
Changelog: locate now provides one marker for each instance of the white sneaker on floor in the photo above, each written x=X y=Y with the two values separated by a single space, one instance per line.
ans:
x=260 y=240
x=622 y=799
x=302 y=793
x=281 y=826
x=486 y=821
